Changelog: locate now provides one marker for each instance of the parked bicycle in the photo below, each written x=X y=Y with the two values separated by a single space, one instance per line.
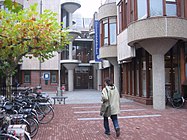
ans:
x=177 y=101
x=28 y=109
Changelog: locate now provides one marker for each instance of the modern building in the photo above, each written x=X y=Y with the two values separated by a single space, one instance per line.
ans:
x=143 y=48
x=107 y=16
x=152 y=49
x=69 y=67
x=140 y=44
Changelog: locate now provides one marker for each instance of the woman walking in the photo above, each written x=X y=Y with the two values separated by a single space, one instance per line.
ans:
x=110 y=94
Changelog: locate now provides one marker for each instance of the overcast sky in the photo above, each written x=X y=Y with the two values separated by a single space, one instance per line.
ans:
x=88 y=7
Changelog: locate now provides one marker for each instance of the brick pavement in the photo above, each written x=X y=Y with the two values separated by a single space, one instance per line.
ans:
x=137 y=122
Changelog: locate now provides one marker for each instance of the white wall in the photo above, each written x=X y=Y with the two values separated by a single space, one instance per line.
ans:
x=124 y=51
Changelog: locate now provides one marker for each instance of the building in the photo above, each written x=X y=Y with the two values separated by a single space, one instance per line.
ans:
x=152 y=49
x=140 y=44
x=149 y=54
x=69 y=67
x=107 y=17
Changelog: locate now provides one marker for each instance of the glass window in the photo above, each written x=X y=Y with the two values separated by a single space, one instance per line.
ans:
x=120 y=17
x=156 y=7
x=27 y=77
x=112 y=33
x=54 y=77
x=171 y=8
x=106 y=33
x=142 y=9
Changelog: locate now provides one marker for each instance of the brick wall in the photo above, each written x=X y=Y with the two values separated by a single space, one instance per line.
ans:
x=35 y=81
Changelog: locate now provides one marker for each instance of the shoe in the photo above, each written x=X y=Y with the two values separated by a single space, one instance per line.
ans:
x=107 y=133
x=117 y=132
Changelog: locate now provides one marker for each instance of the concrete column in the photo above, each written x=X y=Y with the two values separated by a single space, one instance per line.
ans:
x=158 y=48
x=94 y=75
x=114 y=62
x=99 y=82
x=70 y=51
x=59 y=68
x=70 y=20
x=70 y=80
x=158 y=69
x=116 y=76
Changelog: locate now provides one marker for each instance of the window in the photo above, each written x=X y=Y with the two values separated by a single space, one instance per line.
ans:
x=109 y=29
x=53 y=77
x=156 y=7
x=120 y=17
x=112 y=33
x=142 y=9
x=27 y=76
x=122 y=10
x=106 y=34
x=171 y=8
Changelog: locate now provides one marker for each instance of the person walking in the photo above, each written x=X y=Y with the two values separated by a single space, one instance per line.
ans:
x=110 y=93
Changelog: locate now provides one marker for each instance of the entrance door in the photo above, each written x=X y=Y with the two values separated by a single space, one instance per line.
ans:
x=82 y=78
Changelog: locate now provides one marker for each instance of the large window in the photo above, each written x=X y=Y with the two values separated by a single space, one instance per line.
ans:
x=112 y=33
x=132 y=10
x=171 y=8
x=109 y=31
x=156 y=7
x=142 y=9
x=106 y=34
x=122 y=11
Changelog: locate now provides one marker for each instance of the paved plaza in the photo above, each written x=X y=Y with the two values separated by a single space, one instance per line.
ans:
x=79 y=119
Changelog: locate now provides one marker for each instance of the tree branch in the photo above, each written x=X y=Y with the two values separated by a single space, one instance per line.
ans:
x=11 y=44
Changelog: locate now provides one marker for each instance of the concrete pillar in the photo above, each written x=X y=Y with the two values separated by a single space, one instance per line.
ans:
x=70 y=50
x=114 y=62
x=99 y=82
x=70 y=80
x=158 y=69
x=70 y=20
x=116 y=76
x=158 y=48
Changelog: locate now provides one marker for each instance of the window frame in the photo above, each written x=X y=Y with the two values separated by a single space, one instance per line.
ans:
x=107 y=21
x=128 y=11
x=27 y=73
x=54 y=73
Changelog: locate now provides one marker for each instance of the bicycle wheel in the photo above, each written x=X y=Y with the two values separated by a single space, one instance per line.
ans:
x=8 y=137
x=178 y=103
x=45 y=116
x=27 y=136
x=34 y=126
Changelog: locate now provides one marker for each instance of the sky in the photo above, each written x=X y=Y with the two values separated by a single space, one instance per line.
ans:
x=88 y=7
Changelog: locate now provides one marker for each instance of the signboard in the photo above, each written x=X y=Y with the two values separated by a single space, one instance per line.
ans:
x=46 y=76
x=97 y=40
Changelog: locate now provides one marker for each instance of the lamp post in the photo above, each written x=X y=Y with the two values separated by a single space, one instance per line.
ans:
x=59 y=66
x=40 y=63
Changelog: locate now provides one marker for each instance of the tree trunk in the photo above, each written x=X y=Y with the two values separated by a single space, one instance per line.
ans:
x=8 y=87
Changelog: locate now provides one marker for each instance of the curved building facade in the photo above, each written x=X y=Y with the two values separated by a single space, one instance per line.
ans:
x=108 y=40
x=152 y=49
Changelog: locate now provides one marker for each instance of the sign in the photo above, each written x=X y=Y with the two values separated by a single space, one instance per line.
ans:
x=46 y=76
x=97 y=40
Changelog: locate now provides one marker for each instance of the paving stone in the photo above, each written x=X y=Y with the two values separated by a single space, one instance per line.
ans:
x=170 y=125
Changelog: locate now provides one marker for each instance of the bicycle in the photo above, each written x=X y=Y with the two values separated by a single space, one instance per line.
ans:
x=177 y=101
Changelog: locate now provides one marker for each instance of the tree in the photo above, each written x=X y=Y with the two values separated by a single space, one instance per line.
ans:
x=25 y=32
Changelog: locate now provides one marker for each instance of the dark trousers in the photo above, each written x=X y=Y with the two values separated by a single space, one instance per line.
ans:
x=115 y=123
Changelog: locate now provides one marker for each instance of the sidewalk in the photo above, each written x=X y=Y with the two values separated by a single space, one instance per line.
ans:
x=85 y=96
x=79 y=120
